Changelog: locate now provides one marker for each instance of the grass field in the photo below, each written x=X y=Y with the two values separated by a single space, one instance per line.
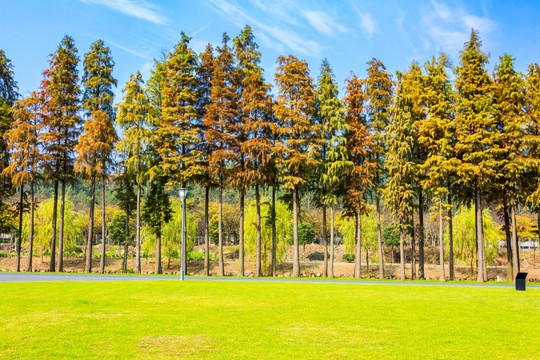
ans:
x=169 y=320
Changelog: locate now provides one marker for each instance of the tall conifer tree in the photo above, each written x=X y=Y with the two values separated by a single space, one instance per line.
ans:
x=293 y=110
x=61 y=91
x=359 y=146
x=379 y=87
x=133 y=118
x=220 y=126
x=476 y=136
x=98 y=96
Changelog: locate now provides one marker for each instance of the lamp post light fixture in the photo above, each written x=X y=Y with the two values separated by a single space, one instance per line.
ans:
x=183 y=194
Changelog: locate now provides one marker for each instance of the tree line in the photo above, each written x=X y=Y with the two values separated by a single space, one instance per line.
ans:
x=433 y=134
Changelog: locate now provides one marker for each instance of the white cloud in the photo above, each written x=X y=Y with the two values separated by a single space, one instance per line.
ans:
x=323 y=23
x=449 y=28
x=276 y=32
x=128 y=50
x=136 y=8
x=367 y=23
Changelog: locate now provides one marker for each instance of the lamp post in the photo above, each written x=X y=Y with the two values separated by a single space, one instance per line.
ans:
x=183 y=194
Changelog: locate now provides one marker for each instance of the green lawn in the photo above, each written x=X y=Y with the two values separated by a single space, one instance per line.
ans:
x=169 y=319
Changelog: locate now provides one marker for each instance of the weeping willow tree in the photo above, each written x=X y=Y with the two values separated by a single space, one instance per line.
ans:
x=74 y=224
x=346 y=226
x=464 y=232
x=284 y=228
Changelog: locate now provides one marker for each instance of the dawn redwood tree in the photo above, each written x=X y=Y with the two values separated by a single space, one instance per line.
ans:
x=435 y=134
x=8 y=95
x=379 y=88
x=98 y=96
x=219 y=124
x=176 y=128
x=61 y=91
x=95 y=148
x=205 y=72
x=532 y=112
x=413 y=84
x=134 y=119
x=399 y=192
x=293 y=109
x=511 y=104
x=23 y=169
x=359 y=144
x=336 y=161
x=476 y=136
x=254 y=146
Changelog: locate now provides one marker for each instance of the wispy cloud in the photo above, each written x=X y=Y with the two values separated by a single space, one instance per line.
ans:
x=449 y=28
x=367 y=23
x=136 y=8
x=278 y=32
x=142 y=56
x=323 y=22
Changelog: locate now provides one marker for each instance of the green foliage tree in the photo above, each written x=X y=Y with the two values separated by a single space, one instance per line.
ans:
x=134 y=118
x=334 y=158
x=157 y=211
x=399 y=192
x=293 y=110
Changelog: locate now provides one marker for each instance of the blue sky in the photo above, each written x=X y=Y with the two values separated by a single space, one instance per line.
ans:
x=347 y=33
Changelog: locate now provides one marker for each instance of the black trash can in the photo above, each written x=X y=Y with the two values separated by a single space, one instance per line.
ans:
x=520 y=281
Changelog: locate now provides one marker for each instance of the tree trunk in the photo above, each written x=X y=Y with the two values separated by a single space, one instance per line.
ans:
x=296 y=248
x=258 y=268
x=31 y=232
x=184 y=226
x=332 y=231
x=441 y=240
x=358 y=254
x=19 y=239
x=61 y=230
x=241 y=233
x=220 y=228
x=103 y=227
x=421 y=260
x=413 y=250
x=126 y=241
x=88 y=266
x=479 y=236
x=450 y=238
x=206 y=232
x=325 y=241
x=401 y=253
x=274 y=229
x=52 y=264
x=158 y=253
x=515 y=244
x=379 y=235
x=138 y=232
x=509 y=245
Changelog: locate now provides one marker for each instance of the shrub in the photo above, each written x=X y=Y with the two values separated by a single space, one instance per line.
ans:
x=348 y=257
x=316 y=256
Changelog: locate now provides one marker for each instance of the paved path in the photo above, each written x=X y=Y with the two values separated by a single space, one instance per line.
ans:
x=36 y=277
